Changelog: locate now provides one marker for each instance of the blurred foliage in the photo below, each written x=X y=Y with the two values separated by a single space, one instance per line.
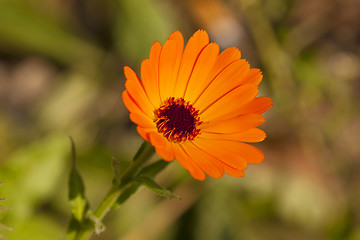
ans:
x=61 y=74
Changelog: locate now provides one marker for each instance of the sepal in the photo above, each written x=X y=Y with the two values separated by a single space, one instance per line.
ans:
x=155 y=187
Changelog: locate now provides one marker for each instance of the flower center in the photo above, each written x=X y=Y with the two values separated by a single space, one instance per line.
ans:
x=177 y=120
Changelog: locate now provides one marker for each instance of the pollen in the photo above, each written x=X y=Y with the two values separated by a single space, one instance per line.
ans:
x=177 y=120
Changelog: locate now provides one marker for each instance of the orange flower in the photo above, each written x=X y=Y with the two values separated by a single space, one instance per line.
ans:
x=198 y=106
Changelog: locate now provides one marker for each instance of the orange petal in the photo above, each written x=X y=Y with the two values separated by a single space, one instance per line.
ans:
x=162 y=146
x=188 y=163
x=154 y=60
x=224 y=166
x=169 y=64
x=179 y=40
x=233 y=125
x=150 y=82
x=209 y=165
x=142 y=120
x=155 y=55
x=199 y=77
x=204 y=156
x=192 y=50
x=252 y=154
x=253 y=76
x=131 y=105
x=227 y=105
x=136 y=91
x=224 y=82
x=167 y=69
x=241 y=151
x=234 y=172
x=224 y=153
x=250 y=135
x=178 y=37
x=258 y=105
x=225 y=58
x=165 y=153
x=144 y=132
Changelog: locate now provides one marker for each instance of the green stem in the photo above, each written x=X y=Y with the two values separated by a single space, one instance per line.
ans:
x=144 y=154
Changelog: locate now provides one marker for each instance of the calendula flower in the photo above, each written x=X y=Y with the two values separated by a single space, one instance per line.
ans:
x=198 y=106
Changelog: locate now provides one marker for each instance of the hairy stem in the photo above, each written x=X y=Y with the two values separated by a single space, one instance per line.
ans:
x=86 y=230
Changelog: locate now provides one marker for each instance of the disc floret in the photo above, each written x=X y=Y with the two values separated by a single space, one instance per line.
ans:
x=177 y=120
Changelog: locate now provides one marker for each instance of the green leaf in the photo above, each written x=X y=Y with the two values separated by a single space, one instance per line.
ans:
x=115 y=164
x=126 y=194
x=153 y=169
x=75 y=225
x=150 y=171
x=156 y=188
x=78 y=202
x=71 y=233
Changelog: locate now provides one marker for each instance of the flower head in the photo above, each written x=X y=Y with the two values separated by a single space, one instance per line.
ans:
x=198 y=106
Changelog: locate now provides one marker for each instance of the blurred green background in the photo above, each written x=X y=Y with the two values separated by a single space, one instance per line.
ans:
x=61 y=74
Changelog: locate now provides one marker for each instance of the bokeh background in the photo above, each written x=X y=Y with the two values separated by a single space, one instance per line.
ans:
x=61 y=75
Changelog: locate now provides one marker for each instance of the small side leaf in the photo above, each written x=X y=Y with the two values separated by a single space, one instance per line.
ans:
x=115 y=164
x=77 y=199
x=150 y=171
x=153 y=169
x=156 y=188
x=128 y=192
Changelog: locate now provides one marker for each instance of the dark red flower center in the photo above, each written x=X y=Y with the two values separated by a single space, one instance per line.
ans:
x=177 y=120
